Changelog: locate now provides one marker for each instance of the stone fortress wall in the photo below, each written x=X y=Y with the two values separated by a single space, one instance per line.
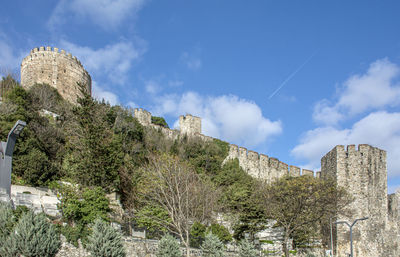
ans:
x=362 y=171
x=60 y=70
x=257 y=165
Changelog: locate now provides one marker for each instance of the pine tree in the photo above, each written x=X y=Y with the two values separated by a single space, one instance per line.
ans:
x=246 y=249
x=168 y=247
x=105 y=241
x=35 y=236
x=212 y=246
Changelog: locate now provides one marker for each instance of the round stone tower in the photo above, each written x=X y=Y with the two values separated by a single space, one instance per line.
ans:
x=60 y=70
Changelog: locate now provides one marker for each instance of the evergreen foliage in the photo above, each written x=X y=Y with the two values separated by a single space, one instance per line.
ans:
x=7 y=223
x=7 y=220
x=80 y=206
x=105 y=241
x=247 y=249
x=159 y=121
x=168 y=247
x=34 y=236
x=300 y=204
x=212 y=246
x=197 y=234
x=221 y=232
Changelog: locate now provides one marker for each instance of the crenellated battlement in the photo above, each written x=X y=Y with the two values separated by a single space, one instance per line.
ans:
x=263 y=167
x=58 y=69
x=48 y=51
x=143 y=116
x=189 y=124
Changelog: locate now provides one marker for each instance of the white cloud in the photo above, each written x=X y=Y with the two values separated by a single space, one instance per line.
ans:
x=380 y=129
x=375 y=89
x=132 y=105
x=152 y=87
x=369 y=94
x=10 y=58
x=107 y=14
x=227 y=117
x=113 y=61
x=100 y=94
x=192 y=60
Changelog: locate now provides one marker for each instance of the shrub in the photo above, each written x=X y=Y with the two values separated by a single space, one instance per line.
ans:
x=168 y=247
x=221 y=232
x=246 y=249
x=212 y=246
x=35 y=236
x=7 y=222
x=159 y=121
x=105 y=241
x=197 y=234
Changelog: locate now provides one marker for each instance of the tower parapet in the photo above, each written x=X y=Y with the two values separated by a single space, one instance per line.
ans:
x=189 y=124
x=143 y=116
x=60 y=70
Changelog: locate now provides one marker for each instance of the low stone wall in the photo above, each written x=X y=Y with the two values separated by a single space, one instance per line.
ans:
x=35 y=198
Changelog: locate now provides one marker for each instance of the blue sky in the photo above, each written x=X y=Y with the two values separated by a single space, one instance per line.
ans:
x=290 y=79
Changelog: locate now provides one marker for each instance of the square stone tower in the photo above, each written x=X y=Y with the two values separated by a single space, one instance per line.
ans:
x=363 y=173
x=189 y=124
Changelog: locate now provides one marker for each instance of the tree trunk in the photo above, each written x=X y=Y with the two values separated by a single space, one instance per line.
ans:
x=285 y=244
x=187 y=245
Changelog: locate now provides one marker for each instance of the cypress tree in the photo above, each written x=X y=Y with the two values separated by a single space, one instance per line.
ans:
x=212 y=246
x=168 y=247
x=105 y=241
x=246 y=249
x=35 y=236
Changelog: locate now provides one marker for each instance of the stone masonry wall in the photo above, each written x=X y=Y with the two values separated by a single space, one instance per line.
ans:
x=189 y=124
x=38 y=199
x=363 y=173
x=263 y=167
x=257 y=165
x=60 y=70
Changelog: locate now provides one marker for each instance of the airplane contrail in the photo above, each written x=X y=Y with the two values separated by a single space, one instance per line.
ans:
x=292 y=75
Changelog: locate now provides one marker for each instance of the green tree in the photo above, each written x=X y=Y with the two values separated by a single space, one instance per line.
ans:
x=35 y=236
x=247 y=249
x=159 y=121
x=94 y=158
x=154 y=218
x=237 y=188
x=298 y=203
x=105 y=241
x=82 y=205
x=197 y=234
x=212 y=246
x=168 y=247
x=37 y=168
x=221 y=232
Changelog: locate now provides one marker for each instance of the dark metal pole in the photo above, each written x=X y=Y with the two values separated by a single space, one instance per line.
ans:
x=351 y=240
x=6 y=150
